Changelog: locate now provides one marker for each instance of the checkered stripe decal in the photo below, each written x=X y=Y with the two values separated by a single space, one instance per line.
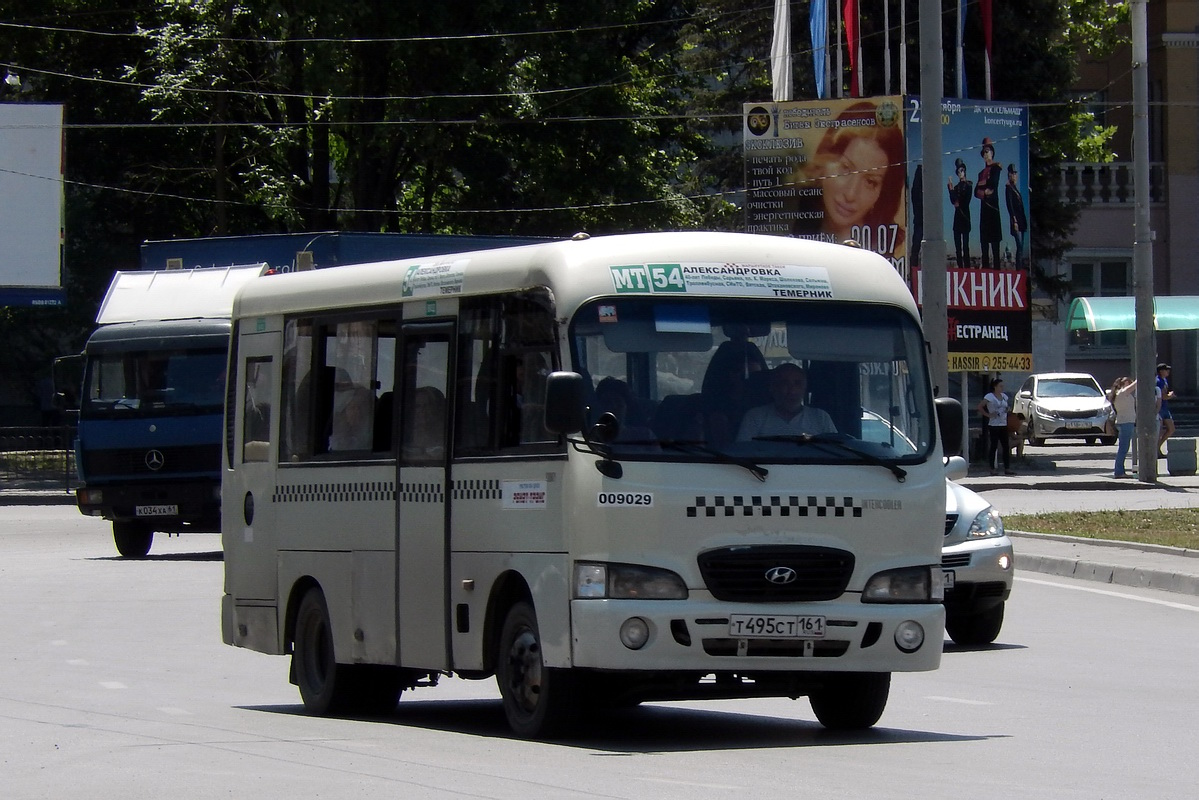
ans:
x=775 y=505
x=477 y=490
x=422 y=492
x=356 y=492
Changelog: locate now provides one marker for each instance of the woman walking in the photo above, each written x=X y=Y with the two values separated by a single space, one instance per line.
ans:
x=994 y=408
x=1123 y=397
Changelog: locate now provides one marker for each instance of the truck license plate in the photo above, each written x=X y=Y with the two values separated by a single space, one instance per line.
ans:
x=156 y=511
x=772 y=626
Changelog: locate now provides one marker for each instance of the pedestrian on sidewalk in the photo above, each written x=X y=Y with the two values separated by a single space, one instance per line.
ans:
x=994 y=408
x=1123 y=397
x=1163 y=411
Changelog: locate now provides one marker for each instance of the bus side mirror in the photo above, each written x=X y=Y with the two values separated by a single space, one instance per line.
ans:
x=951 y=421
x=565 y=402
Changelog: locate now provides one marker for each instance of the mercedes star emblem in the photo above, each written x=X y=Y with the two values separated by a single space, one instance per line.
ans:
x=155 y=460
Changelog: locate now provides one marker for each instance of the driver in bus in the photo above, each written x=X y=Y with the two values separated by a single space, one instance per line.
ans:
x=788 y=414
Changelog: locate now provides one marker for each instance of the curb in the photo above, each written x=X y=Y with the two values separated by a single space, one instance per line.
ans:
x=31 y=499
x=1088 y=569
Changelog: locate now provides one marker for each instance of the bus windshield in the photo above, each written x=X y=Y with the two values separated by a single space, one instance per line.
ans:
x=765 y=380
x=157 y=382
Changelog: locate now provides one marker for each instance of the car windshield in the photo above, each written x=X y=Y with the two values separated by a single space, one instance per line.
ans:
x=763 y=381
x=1069 y=387
x=154 y=382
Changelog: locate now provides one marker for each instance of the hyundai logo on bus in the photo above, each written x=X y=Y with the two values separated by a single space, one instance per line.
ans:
x=781 y=575
x=155 y=460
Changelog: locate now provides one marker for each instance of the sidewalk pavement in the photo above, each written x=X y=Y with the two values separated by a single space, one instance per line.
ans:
x=1050 y=478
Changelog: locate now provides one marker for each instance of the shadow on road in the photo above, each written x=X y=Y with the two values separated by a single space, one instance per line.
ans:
x=647 y=729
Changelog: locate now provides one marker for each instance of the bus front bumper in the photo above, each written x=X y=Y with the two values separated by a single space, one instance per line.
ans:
x=689 y=635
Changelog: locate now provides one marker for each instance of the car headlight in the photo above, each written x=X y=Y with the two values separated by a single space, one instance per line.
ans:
x=627 y=582
x=905 y=585
x=988 y=523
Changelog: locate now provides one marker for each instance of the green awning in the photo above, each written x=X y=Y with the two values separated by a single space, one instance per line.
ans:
x=1117 y=314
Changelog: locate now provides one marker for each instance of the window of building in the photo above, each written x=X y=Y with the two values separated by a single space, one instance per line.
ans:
x=1108 y=277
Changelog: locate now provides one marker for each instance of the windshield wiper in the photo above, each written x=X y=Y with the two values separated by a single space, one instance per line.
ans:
x=837 y=441
x=757 y=470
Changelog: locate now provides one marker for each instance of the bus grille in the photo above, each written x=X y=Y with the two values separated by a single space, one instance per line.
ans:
x=744 y=574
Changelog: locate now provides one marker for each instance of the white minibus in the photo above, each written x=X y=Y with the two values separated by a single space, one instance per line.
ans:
x=604 y=470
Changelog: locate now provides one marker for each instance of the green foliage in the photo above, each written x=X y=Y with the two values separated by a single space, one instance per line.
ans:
x=201 y=117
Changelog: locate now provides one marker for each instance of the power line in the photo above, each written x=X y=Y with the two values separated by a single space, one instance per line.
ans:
x=143 y=33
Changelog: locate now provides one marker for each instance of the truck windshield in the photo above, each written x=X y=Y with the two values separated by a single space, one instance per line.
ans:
x=763 y=380
x=157 y=382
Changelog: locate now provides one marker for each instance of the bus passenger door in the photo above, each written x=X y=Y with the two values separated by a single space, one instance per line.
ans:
x=248 y=527
x=422 y=545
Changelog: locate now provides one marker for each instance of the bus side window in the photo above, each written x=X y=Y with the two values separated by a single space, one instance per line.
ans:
x=256 y=409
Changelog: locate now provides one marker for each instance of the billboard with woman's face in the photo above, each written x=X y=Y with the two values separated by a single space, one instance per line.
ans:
x=831 y=170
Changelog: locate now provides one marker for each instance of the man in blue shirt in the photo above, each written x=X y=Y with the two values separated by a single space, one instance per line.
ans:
x=1163 y=413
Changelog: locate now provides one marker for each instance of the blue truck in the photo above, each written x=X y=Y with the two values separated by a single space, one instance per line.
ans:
x=151 y=407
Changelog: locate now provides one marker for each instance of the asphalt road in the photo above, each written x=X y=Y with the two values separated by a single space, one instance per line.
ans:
x=114 y=684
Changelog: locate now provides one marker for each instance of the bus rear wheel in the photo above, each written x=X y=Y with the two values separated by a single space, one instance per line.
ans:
x=852 y=700
x=324 y=684
x=539 y=701
x=133 y=539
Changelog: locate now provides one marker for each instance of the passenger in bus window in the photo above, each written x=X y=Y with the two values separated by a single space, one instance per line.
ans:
x=726 y=384
x=613 y=395
x=353 y=415
x=426 y=436
x=787 y=413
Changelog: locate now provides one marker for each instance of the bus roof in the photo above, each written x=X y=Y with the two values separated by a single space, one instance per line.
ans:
x=679 y=264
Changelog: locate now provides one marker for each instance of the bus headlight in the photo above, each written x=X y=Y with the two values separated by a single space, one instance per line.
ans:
x=905 y=585
x=627 y=582
x=987 y=524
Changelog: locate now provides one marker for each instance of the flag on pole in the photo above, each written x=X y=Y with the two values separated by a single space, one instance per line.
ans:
x=818 y=23
x=780 y=51
x=851 y=42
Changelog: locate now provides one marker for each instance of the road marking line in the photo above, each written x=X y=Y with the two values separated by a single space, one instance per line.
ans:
x=1110 y=593
x=113 y=685
x=77 y=662
x=960 y=701
x=175 y=711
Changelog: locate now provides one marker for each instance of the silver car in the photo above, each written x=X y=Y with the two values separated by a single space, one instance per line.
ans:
x=1063 y=405
x=977 y=561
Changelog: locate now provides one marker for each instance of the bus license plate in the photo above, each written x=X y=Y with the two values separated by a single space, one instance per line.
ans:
x=770 y=626
x=156 y=511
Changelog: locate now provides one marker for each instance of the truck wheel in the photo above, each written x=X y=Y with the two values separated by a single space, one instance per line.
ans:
x=539 y=702
x=133 y=539
x=325 y=685
x=975 y=629
x=851 y=701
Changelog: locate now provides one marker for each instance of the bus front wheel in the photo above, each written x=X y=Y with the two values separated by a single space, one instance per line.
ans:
x=538 y=700
x=133 y=539
x=852 y=700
